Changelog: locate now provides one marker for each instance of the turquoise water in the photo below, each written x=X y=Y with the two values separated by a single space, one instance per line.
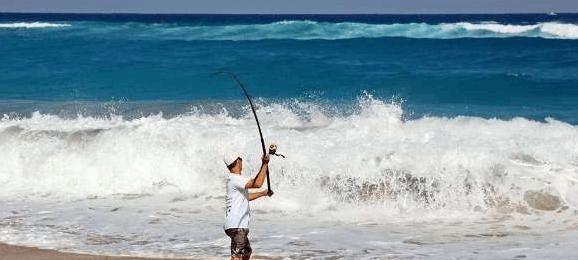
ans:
x=479 y=65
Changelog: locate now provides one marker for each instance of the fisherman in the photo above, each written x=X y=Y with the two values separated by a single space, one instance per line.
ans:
x=237 y=215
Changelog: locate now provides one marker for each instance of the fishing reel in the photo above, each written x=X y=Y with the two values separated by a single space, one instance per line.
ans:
x=273 y=150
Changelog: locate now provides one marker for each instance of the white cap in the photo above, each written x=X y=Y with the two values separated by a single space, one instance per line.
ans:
x=230 y=157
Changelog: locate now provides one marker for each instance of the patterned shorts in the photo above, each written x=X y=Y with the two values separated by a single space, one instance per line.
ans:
x=240 y=245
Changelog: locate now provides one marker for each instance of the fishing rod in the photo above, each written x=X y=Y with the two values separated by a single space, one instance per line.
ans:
x=272 y=147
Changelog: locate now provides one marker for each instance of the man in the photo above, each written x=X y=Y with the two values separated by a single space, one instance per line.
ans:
x=237 y=213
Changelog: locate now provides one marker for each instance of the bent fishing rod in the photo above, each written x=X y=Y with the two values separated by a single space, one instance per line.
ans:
x=272 y=147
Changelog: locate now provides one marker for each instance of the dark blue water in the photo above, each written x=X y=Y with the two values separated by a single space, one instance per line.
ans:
x=440 y=65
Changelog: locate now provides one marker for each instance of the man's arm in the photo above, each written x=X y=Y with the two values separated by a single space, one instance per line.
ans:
x=257 y=182
x=256 y=195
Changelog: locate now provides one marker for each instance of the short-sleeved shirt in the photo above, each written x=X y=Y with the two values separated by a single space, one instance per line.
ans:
x=237 y=213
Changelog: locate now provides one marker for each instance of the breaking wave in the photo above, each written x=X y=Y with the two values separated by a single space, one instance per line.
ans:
x=311 y=30
x=372 y=157
x=32 y=25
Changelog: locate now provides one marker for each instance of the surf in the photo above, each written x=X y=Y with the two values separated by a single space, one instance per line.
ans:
x=32 y=25
x=371 y=157
x=311 y=30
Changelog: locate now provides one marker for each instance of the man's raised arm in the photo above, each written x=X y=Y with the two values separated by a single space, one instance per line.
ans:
x=257 y=182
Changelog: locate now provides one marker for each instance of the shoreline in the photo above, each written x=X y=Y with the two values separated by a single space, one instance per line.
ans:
x=14 y=252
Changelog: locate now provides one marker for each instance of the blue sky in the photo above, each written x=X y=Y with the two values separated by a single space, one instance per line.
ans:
x=291 y=6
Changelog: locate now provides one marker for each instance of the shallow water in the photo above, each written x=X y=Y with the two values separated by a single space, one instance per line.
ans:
x=173 y=225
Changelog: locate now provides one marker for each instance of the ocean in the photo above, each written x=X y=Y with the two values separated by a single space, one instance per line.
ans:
x=406 y=136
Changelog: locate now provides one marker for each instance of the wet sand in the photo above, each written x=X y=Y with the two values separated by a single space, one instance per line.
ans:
x=10 y=252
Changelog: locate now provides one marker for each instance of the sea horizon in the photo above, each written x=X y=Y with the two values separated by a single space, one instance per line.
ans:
x=297 y=13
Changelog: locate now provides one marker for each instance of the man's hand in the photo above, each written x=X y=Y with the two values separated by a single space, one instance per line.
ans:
x=270 y=193
x=265 y=159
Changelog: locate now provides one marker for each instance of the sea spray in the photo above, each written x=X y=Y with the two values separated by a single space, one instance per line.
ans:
x=370 y=157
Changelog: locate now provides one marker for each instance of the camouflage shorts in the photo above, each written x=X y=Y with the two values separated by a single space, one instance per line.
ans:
x=240 y=245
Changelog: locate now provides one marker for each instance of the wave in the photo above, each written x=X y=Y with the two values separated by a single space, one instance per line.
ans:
x=32 y=25
x=308 y=30
x=311 y=30
x=543 y=30
x=372 y=157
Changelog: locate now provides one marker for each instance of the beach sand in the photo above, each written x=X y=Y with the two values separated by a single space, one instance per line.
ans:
x=11 y=252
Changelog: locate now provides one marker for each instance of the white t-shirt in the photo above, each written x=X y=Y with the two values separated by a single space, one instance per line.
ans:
x=237 y=213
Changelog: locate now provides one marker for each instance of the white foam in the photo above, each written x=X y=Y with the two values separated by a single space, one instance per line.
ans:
x=32 y=25
x=331 y=159
x=93 y=184
x=563 y=31
x=494 y=27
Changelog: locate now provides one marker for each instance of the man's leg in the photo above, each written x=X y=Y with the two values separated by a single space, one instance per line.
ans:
x=244 y=237
x=240 y=248
x=232 y=232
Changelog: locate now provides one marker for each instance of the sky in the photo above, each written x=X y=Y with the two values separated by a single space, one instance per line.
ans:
x=290 y=6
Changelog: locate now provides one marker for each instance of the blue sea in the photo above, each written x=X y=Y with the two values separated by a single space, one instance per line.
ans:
x=499 y=66
x=406 y=136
